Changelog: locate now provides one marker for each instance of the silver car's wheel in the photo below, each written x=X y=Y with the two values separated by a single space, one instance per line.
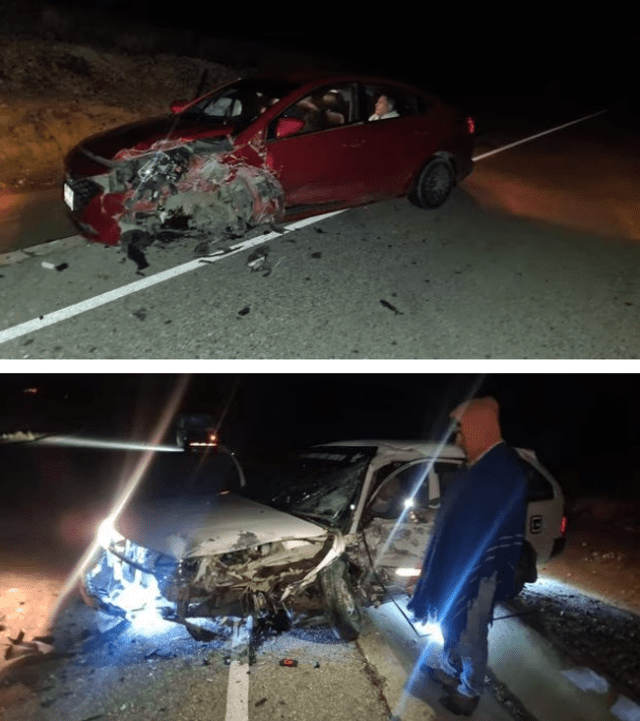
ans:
x=526 y=571
x=434 y=184
x=341 y=605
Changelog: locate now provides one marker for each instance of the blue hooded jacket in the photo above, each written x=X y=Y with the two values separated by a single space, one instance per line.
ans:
x=479 y=531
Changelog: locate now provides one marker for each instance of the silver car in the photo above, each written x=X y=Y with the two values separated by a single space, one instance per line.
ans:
x=348 y=520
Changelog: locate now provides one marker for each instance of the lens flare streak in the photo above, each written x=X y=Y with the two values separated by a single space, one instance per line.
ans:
x=133 y=482
x=74 y=442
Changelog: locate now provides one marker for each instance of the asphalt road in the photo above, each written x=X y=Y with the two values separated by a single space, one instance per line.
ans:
x=553 y=653
x=535 y=256
x=108 y=669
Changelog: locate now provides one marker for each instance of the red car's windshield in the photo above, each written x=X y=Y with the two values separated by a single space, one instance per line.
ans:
x=240 y=102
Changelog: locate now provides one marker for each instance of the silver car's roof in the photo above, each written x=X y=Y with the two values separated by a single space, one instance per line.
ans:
x=428 y=449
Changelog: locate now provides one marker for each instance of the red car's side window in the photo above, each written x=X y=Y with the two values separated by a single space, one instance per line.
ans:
x=384 y=102
x=323 y=109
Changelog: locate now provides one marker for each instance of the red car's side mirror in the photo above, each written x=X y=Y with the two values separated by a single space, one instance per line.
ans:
x=288 y=126
x=177 y=106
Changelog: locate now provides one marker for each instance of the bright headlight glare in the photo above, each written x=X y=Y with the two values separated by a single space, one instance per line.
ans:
x=407 y=572
x=107 y=534
x=408 y=503
x=431 y=629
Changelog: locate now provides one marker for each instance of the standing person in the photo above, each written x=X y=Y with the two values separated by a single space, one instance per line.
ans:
x=472 y=557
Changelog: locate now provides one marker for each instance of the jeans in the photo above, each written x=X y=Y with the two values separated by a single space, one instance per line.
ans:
x=467 y=658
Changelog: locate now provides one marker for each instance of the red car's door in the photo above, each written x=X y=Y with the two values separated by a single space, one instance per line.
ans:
x=397 y=145
x=319 y=162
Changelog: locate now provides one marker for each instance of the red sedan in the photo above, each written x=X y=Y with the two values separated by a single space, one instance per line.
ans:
x=271 y=147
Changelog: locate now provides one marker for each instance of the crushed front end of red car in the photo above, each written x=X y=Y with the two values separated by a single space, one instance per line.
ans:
x=184 y=174
x=186 y=188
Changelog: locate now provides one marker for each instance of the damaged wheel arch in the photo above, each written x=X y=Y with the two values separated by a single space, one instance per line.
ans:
x=342 y=607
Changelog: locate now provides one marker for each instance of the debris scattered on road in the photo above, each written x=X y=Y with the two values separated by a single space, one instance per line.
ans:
x=587 y=679
x=105 y=622
x=258 y=260
x=626 y=709
x=19 y=647
x=18 y=638
x=316 y=255
x=388 y=305
x=260 y=702
x=161 y=653
x=140 y=314
x=135 y=242
x=199 y=633
x=316 y=664
x=244 y=311
x=52 y=266
x=319 y=230
x=288 y=662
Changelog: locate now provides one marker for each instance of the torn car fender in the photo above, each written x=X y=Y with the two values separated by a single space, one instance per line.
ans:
x=336 y=550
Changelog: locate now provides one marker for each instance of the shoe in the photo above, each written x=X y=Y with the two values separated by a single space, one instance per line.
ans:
x=459 y=704
x=441 y=677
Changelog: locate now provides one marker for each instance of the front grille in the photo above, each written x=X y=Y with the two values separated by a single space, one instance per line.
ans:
x=84 y=189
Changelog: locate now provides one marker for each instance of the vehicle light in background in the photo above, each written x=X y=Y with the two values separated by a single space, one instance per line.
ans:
x=408 y=502
x=407 y=572
x=563 y=525
x=211 y=441
x=471 y=126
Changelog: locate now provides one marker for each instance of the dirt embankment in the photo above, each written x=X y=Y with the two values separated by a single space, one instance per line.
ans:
x=55 y=94
x=602 y=555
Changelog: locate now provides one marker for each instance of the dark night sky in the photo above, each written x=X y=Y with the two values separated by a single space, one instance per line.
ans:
x=514 y=50
x=578 y=424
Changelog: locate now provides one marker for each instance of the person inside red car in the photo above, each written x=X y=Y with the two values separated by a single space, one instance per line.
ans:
x=385 y=108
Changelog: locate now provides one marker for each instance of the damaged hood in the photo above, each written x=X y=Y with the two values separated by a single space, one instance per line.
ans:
x=210 y=525
x=140 y=136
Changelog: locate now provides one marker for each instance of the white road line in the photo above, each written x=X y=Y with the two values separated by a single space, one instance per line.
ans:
x=70 y=311
x=238 y=692
x=238 y=688
x=537 y=135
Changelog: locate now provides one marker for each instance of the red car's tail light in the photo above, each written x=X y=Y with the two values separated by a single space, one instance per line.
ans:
x=563 y=525
x=471 y=126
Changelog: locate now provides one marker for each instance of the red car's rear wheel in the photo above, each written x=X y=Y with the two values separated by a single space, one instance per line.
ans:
x=434 y=184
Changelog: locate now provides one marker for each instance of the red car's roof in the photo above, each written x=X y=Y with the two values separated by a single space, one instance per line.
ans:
x=303 y=77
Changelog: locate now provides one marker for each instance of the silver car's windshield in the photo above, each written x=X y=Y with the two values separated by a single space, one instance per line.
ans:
x=322 y=484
